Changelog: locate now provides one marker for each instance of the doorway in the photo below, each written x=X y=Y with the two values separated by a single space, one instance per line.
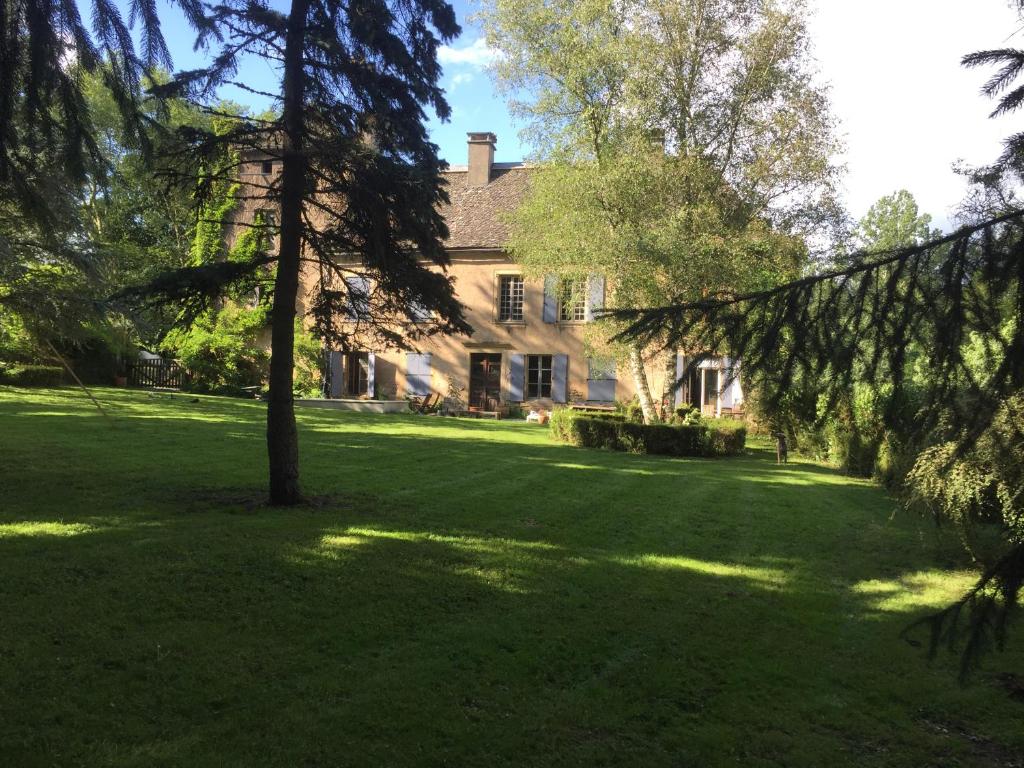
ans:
x=484 y=381
x=357 y=373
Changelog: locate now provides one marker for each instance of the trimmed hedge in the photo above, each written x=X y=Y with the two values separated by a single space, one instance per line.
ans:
x=704 y=439
x=726 y=437
x=25 y=375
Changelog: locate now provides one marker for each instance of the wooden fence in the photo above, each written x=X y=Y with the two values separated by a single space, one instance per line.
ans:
x=166 y=374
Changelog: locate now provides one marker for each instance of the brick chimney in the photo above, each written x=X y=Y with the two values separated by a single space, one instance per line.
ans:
x=481 y=158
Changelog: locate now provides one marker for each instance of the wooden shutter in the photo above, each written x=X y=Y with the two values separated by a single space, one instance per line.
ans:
x=417 y=374
x=516 y=377
x=559 y=378
x=371 y=365
x=595 y=295
x=336 y=363
x=550 y=298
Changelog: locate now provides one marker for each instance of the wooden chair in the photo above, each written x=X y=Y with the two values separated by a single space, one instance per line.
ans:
x=430 y=401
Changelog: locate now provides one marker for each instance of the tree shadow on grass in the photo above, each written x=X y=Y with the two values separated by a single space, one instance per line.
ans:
x=467 y=601
x=286 y=638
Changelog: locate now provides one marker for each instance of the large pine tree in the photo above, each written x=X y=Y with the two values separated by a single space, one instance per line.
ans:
x=360 y=180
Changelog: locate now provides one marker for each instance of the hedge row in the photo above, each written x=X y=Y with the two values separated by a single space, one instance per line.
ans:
x=25 y=375
x=704 y=439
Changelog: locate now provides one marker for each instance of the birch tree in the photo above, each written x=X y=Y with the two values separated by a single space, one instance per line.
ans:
x=684 y=147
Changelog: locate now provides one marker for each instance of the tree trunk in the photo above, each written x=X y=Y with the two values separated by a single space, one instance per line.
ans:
x=643 y=389
x=668 y=389
x=282 y=435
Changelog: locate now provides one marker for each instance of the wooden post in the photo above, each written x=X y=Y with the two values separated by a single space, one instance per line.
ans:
x=78 y=380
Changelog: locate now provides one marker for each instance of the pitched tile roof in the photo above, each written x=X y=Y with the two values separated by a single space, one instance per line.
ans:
x=475 y=215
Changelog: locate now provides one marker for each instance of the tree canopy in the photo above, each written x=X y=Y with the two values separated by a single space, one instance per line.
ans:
x=685 y=148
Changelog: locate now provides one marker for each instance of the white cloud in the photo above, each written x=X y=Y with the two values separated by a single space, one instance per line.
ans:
x=476 y=54
x=460 y=78
x=907 y=108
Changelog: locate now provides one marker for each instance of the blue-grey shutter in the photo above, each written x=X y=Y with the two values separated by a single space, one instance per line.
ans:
x=550 y=298
x=516 y=377
x=371 y=365
x=680 y=367
x=417 y=374
x=595 y=295
x=337 y=366
x=559 y=377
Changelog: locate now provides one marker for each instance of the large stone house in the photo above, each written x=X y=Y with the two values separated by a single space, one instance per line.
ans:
x=528 y=343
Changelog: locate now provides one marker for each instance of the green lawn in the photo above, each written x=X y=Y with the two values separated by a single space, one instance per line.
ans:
x=459 y=593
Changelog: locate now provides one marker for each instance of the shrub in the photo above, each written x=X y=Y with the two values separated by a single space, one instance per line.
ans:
x=28 y=375
x=222 y=349
x=682 y=412
x=308 y=380
x=614 y=433
x=630 y=410
x=725 y=437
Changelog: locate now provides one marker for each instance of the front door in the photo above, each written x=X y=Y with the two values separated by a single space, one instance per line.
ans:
x=485 y=381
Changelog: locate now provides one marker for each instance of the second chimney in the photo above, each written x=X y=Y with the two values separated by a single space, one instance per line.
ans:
x=481 y=158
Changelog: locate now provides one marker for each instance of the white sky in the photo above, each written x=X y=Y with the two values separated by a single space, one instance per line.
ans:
x=907 y=109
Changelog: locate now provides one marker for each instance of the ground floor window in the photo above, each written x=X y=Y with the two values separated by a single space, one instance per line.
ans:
x=601 y=380
x=538 y=376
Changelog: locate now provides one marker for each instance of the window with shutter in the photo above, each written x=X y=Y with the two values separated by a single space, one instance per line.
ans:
x=572 y=300
x=538 y=376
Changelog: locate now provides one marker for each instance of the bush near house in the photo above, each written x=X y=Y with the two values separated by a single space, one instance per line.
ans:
x=725 y=437
x=615 y=433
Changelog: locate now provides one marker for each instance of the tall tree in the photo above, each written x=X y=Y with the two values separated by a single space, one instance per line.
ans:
x=45 y=50
x=50 y=267
x=359 y=181
x=725 y=86
x=893 y=221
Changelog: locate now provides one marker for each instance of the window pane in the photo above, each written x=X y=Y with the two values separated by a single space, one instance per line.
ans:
x=573 y=300
x=510 y=298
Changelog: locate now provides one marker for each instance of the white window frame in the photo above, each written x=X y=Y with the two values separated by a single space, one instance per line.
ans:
x=575 y=311
x=539 y=392
x=500 y=280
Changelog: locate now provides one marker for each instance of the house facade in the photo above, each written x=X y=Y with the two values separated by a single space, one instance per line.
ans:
x=528 y=347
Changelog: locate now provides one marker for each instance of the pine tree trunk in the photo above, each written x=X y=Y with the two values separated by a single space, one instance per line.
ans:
x=643 y=389
x=282 y=435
